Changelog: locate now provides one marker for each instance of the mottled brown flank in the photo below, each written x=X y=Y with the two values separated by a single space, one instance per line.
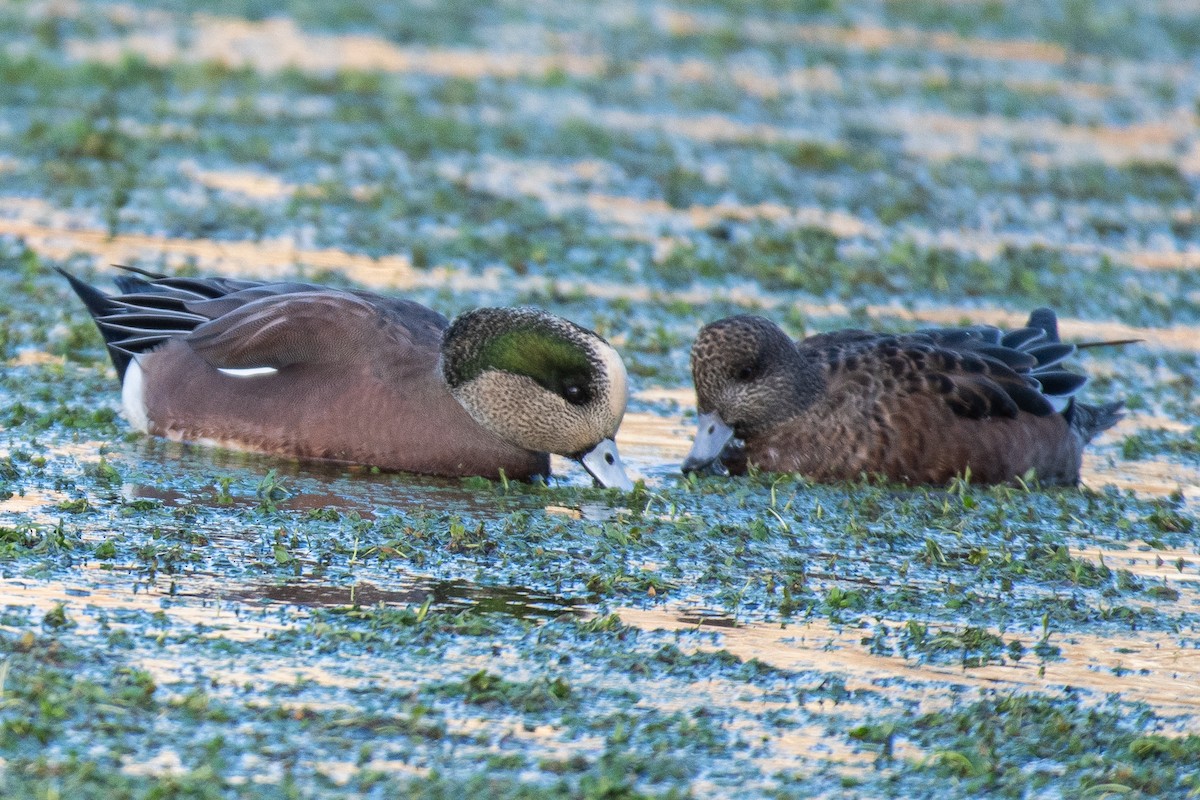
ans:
x=836 y=406
x=909 y=439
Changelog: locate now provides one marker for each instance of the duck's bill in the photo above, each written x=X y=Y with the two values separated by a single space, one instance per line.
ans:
x=712 y=434
x=604 y=463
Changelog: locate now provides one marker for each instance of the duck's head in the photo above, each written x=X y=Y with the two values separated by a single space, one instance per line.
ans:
x=541 y=383
x=745 y=372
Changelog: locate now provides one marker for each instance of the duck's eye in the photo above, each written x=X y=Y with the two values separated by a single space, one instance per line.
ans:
x=575 y=395
x=746 y=373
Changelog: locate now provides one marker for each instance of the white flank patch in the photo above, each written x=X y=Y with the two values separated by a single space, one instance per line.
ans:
x=618 y=397
x=247 y=372
x=133 y=397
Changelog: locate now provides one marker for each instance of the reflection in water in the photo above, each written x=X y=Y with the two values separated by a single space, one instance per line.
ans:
x=308 y=485
x=652 y=446
x=707 y=617
x=513 y=601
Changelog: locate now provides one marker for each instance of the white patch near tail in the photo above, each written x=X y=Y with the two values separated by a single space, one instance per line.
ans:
x=247 y=372
x=133 y=397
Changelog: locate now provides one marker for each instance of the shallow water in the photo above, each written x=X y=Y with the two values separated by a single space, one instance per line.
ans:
x=1156 y=670
x=641 y=169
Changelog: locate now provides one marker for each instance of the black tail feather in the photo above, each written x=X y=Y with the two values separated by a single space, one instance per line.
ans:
x=1060 y=382
x=151 y=308
x=101 y=305
x=1048 y=355
x=1091 y=420
x=1021 y=338
x=145 y=273
x=1046 y=320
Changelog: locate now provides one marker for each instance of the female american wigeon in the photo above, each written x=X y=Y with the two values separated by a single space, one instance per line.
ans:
x=915 y=408
x=313 y=372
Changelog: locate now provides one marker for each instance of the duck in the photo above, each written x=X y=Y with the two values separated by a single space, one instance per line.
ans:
x=312 y=372
x=923 y=407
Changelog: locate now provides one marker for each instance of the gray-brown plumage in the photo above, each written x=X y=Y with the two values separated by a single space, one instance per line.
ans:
x=356 y=377
x=917 y=408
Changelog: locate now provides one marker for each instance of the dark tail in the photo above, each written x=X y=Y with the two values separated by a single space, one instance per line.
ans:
x=100 y=305
x=1091 y=420
x=1046 y=320
x=1088 y=420
x=151 y=309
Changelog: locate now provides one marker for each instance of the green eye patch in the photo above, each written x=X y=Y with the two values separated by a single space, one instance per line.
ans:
x=555 y=363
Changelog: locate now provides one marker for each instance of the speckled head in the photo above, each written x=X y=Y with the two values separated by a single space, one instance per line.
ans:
x=535 y=379
x=747 y=371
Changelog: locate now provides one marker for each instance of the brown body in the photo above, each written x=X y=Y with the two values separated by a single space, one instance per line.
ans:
x=335 y=412
x=916 y=408
x=913 y=440
x=342 y=376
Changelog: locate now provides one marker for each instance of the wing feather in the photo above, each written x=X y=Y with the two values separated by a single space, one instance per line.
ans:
x=977 y=371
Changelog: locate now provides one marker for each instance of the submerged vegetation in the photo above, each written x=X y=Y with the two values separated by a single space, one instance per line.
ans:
x=186 y=622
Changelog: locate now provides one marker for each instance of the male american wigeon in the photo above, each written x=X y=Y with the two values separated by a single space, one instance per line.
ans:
x=916 y=408
x=313 y=372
